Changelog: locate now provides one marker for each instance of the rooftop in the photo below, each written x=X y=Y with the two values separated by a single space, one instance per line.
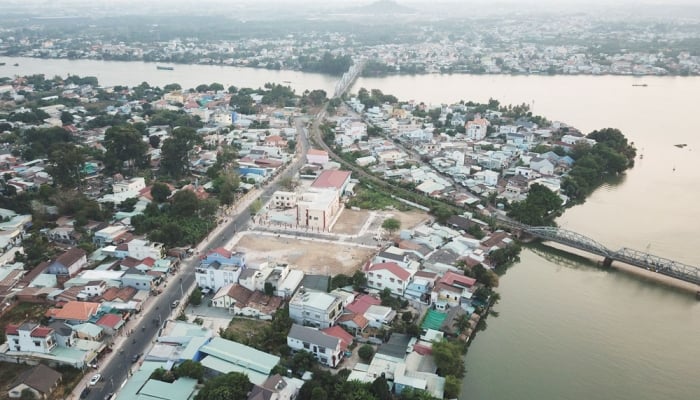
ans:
x=331 y=179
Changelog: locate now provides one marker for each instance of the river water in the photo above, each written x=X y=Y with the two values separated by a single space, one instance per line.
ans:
x=566 y=330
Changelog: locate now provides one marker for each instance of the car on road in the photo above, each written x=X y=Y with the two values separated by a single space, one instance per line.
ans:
x=135 y=357
x=175 y=303
x=95 y=378
x=109 y=396
x=84 y=394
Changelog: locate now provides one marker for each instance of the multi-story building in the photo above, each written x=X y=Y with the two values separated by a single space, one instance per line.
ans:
x=390 y=276
x=309 y=307
x=219 y=268
x=30 y=337
x=140 y=249
x=327 y=349
x=317 y=207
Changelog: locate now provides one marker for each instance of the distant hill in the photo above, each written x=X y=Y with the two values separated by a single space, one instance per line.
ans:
x=383 y=7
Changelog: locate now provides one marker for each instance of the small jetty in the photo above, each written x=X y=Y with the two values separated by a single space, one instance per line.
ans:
x=681 y=145
x=640 y=84
x=164 y=68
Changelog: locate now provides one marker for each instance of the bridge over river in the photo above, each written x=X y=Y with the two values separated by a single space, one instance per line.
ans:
x=641 y=259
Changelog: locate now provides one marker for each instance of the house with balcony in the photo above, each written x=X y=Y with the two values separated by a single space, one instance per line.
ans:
x=327 y=349
x=30 y=337
x=140 y=249
x=389 y=275
x=313 y=308
x=220 y=267
x=452 y=290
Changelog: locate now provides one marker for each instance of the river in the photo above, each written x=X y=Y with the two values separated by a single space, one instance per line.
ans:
x=565 y=330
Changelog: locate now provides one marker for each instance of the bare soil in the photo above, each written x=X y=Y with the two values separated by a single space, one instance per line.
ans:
x=410 y=219
x=350 y=221
x=314 y=257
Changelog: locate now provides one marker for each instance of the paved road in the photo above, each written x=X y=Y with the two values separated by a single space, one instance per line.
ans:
x=115 y=370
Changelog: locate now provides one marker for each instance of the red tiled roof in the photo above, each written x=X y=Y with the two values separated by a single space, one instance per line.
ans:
x=222 y=252
x=109 y=320
x=148 y=261
x=358 y=319
x=451 y=278
x=331 y=179
x=362 y=303
x=41 y=331
x=75 y=310
x=12 y=329
x=339 y=333
x=316 y=152
x=393 y=268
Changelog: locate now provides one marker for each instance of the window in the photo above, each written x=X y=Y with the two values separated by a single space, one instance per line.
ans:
x=379 y=276
x=398 y=290
x=37 y=343
x=307 y=346
x=371 y=282
x=321 y=349
x=371 y=274
x=392 y=280
x=379 y=284
x=400 y=282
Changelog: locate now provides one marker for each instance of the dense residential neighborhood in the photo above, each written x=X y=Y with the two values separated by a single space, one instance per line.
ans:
x=112 y=194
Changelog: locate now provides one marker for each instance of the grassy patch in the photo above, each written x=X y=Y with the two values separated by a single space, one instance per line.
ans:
x=24 y=312
x=244 y=329
x=370 y=199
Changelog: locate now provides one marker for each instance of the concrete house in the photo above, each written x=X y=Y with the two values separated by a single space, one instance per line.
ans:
x=389 y=275
x=309 y=307
x=220 y=267
x=69 y=263
x=327 y=349
x=30 y=337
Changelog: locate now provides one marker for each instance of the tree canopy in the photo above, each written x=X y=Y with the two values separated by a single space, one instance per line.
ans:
x=233 y=385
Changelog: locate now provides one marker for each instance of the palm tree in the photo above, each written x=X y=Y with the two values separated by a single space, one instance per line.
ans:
x=461 y=323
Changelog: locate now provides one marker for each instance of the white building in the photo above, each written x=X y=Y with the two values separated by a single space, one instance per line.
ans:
x=390 y=276
x=476 y=130
x=140 y=249
x=327 y=349
x=309 y=307
x=283 y=200
x=317 y=207
x=30 y=337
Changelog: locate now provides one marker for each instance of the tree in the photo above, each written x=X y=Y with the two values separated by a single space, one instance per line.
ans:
x=453 y=386
x=380 y=388
x=175 y=152
x=185 y=203
x=366 y=352
x=190 y=369
x=233 y=385
x=318 y=393
x=66 y=118
x=124 y=146
x=269 y=289
x=340 y=280
x=303 y=361
x=391 y=225
x=359 y=280
x=154 y=141
x=448 y=358
x=196 y=296
x=255 y=206
x=160 y=192
x=288 y=183
x=65 y=162
x=171 y=87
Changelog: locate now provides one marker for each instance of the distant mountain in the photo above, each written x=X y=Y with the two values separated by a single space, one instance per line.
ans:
x=383 y=7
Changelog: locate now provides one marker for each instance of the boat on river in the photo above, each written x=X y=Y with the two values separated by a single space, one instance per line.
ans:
x=164 y=68
x=640 y=84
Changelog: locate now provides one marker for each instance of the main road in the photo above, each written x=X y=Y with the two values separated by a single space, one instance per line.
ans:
x=145 y=326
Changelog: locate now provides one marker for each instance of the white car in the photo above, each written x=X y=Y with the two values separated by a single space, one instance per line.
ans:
x=95 y=378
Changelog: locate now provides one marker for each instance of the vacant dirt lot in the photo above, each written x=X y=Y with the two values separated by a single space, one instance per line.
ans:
x=410 y=219
x=314 y=257
x=350 y=221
